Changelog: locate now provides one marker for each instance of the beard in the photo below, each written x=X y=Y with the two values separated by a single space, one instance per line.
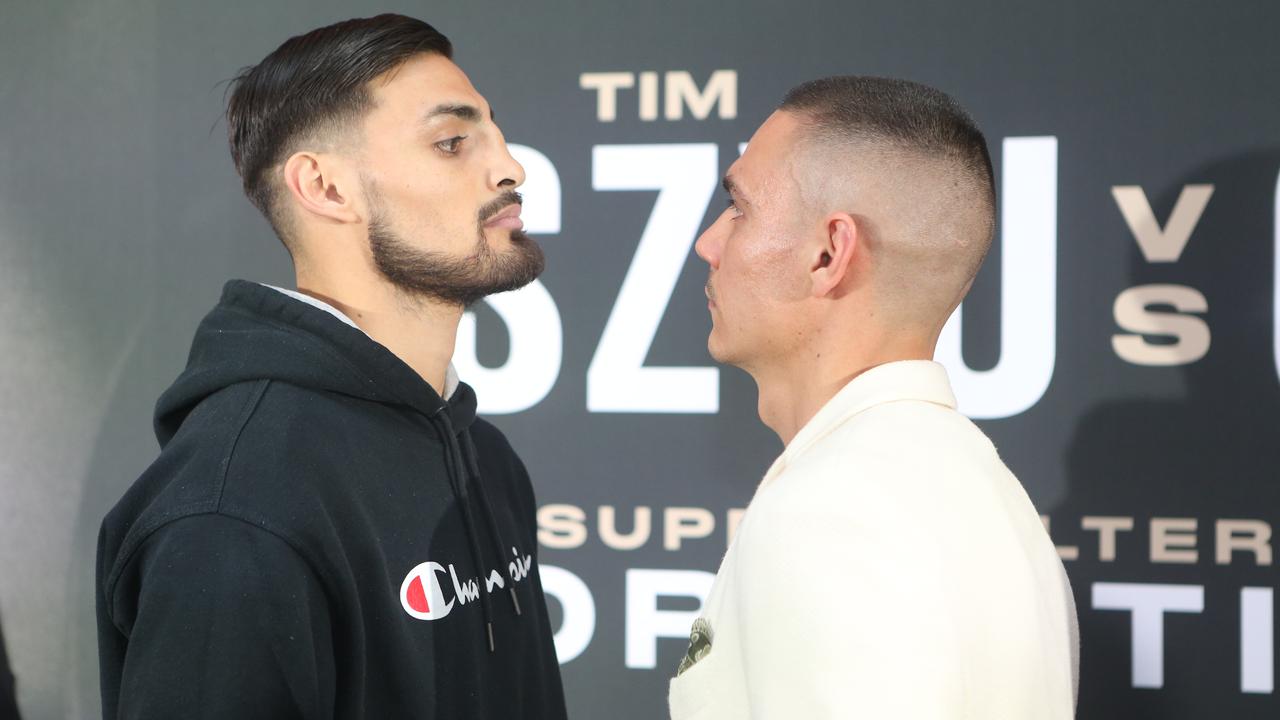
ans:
x=450 y=279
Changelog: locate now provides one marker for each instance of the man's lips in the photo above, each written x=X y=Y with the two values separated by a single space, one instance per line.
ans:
x=508 y=217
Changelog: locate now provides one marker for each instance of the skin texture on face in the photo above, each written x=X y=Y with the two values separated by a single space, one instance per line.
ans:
x=460 y=280
x=439 y=188
x=757 y=278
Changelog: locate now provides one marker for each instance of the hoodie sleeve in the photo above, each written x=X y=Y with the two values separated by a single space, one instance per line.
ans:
x=8 y=701
x=222 y=619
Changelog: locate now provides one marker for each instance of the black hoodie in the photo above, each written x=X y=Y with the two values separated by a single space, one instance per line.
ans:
x=322 y=536
x=8 y=703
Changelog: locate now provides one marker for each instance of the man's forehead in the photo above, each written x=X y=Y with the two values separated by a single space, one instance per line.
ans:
x=775 y=139
x=766 y=162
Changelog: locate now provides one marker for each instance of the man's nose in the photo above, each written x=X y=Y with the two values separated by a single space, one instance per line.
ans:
x=707 y=246
x=507 y=172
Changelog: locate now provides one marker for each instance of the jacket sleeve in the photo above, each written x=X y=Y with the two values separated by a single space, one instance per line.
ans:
x=222 y=619
x=840 y=618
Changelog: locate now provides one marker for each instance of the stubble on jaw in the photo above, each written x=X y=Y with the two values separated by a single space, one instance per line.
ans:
x=433 y=275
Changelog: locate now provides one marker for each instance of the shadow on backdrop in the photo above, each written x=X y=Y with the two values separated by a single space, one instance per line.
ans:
x=1213 y=449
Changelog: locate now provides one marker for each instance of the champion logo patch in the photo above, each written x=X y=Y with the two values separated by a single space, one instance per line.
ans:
x=416 y=598
x=431 y=591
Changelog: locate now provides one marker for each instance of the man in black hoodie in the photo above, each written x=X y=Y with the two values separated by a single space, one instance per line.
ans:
x=329 y=531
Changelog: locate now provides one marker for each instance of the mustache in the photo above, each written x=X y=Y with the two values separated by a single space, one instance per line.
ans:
x=498 y=204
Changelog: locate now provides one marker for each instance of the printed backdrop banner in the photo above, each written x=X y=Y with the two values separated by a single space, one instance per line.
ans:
x=1119 y=345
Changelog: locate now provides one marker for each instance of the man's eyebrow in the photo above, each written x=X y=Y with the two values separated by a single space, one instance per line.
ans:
x=463 y=112
x=732 y=188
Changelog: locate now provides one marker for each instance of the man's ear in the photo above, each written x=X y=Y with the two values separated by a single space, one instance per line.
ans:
x=833 y=256
x=321 y=189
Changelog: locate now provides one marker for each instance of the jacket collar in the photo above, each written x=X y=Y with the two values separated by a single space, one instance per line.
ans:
x=892 y=382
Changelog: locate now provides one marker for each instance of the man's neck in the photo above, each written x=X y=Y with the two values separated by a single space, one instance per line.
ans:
x=789 y=400
x=420 y=332
x=792 y=392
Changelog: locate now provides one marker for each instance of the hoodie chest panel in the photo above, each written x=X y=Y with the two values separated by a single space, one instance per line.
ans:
x=417 y=584
x=399 y=494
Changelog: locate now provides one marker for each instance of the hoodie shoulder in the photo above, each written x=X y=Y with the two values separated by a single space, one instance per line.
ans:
x=188 y=476
x=258 y=333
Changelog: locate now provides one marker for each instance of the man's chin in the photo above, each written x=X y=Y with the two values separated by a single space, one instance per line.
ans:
x=725 y=352
x=522 y=264
x=716 y=348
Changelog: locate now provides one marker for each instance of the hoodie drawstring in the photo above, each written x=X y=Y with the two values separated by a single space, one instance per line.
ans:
x=474 y=466
x=461 y=473
x=457 y=478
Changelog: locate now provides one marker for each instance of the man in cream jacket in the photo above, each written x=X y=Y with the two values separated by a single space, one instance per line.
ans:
x=889 y=565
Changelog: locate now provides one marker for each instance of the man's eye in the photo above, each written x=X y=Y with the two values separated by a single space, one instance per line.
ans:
x=451 y=145
x=733 y=207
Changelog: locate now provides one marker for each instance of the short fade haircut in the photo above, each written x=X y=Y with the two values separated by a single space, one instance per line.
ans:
x=900 y=116
x=310 y=84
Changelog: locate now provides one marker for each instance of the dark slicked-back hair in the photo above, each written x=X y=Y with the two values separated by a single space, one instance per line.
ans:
x=312 y=83
x=897 y=115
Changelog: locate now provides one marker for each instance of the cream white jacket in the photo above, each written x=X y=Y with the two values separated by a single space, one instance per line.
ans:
x=889 y=566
